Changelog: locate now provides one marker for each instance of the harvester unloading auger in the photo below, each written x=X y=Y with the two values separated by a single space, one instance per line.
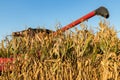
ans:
x=102 y=11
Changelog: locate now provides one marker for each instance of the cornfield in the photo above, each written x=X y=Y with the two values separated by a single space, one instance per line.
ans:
x=73 y=55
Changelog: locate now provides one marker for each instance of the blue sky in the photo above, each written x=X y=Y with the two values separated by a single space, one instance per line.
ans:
x=17 y=15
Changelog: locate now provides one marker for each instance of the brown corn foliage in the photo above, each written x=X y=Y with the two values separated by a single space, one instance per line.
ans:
x=80 y=55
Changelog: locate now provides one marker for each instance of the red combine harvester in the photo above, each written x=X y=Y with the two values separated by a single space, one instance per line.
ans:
x=102 y=11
